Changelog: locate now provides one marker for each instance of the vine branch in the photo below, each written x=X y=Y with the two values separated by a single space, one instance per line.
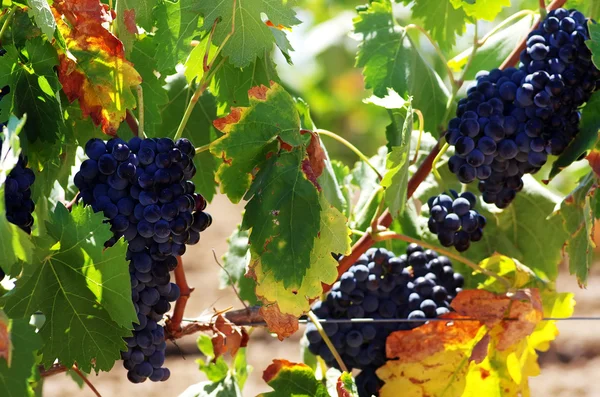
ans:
x=173 y=327
x=86 y=380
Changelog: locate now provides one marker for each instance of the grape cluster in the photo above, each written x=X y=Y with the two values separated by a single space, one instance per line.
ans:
x=512 y=120
x=17 y=195
x=560 y=77
x=416 y=285
x=143 y=188
x=455 y=221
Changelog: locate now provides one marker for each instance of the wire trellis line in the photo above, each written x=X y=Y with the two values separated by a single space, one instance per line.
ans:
x=402 y=320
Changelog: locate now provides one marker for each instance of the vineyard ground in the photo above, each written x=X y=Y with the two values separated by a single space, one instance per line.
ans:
x=570 y=368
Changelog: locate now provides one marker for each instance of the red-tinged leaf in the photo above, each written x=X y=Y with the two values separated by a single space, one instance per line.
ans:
x=417 y=344
x=316 y=154
x=228 y=337
x=292 y=379
x=345 y=386
x=515 y=315
x=594 y=159
x=5 y=345
x=130 y=21
x=283 y=325
x=94 y=69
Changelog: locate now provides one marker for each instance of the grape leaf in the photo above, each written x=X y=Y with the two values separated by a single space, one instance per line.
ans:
x=594 y=42
x=441 y=19
x=124 y=26
x=155 y=96
x=586 y=139
x=141 y=12
x=251 y=36
x=177 y=24
x=578 y=217
x=235 y=262
x=333 y=236
x=249 y=134
x=346 y=386
x=198 y=130
x=16 y=376
x=399 y=132
x=283 y=214
x=230 y=84
x=495 y=49
x=481 y=9
x=390 y=59
x=227 y=387
x=292 y=379
x=72 y=271
x=40 y=10
x=95 y=70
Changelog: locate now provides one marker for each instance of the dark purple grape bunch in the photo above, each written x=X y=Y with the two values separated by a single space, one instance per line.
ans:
x=367 y=383
x=143 y=187
x=17 y=195
x=416 y=285
x=558 y=77
x=455 y=220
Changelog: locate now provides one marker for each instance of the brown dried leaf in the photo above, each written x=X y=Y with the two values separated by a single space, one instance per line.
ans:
x=228 y=337
x=283 y=325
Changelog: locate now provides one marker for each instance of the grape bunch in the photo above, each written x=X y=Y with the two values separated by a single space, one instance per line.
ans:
x=560 y=77
x=17 y=195
x=512 y=120
x=455 y=221
x=416 y=285
x=144 y=190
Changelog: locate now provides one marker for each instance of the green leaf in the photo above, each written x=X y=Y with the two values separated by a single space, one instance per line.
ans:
x=347 y=385
x=395 y=180
x=230 y=84
x=122 y=26
x=199 y=129
x=594 y=42
x=40 y=10
x=440 y=19
x=578 y=217
x=241 y=369
x=177 y=24
x=235 y=262
x=391 y=60
x=249 y=134
x=291 y=379
x=34 y=89
x=284 y=214
x=481 y=9
x=495 y=50
x=16 y=378
x=72 y=271
x=332 y=237
x=251 y=36
x=370 y=192
x=141 y=10
x=215 y=370
x=585 y=140
x=155 y=96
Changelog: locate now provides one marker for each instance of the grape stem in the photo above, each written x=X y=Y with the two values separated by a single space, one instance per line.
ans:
x=421 y=130
x=209 y=71
x=434 y=165
x=315 y=320
x=86 y=380
x=132 y=122
x=437 y=49
x=174 y=323
x=543 y=12
x=9 y=15
x=351 y=147
x=202 y=148
x=140 y=95
x=387 y=235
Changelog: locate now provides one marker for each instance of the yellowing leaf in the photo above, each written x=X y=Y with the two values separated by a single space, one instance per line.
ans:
x=282 y=324
x=292 y=380
x=432 y=360
x=94 y=69
x=332 y=237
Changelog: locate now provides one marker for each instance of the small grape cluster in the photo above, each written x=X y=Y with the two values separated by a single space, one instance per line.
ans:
x=416 y=285
x=455 y=221
x=143 y=188
x=512 y=120
x=17 y=195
